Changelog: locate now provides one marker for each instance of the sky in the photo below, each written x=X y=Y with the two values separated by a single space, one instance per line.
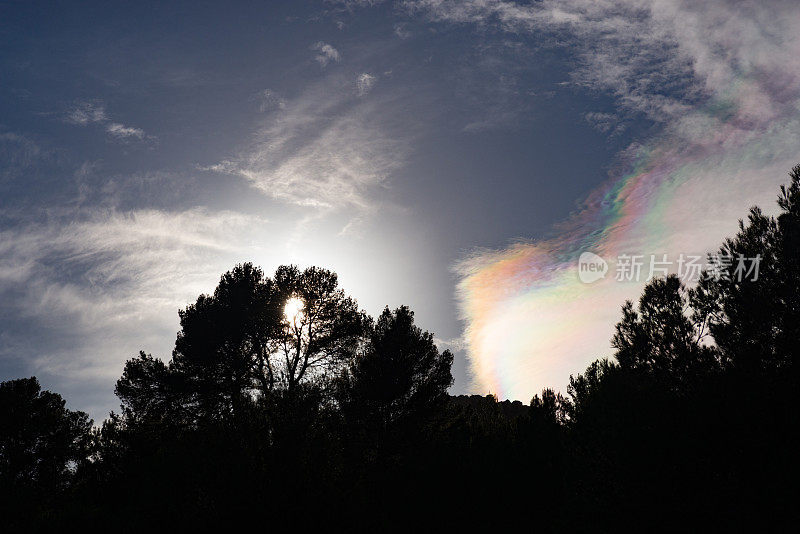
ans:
x=457 y=157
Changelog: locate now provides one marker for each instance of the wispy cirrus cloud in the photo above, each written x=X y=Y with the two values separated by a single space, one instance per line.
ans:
x=326 y=53
x=659 y=57
x=106 y=283
x=401 y=31
x=86 y=113
x=364 y=83
x=605 y=122
x=320 y=150
x=269 y=100
x=120 y=131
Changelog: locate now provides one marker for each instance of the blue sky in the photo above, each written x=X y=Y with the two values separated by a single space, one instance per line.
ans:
x=145 y=149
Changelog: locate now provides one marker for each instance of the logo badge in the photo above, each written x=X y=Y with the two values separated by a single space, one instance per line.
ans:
x=591 y=267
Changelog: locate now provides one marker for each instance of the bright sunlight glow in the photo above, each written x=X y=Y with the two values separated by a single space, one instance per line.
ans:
x=293 y=309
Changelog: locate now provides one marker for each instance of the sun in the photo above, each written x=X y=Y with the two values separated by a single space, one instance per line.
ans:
x=293 y=309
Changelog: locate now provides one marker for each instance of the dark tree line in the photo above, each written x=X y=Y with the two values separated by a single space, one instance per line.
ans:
x=285 y=406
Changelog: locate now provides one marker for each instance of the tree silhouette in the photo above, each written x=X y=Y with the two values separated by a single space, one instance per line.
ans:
x=222 y=350
x=41 y=442
x=323 y=335
x=237 y=344
x=755 y=321
x=399 y=378
x=701 y=392
x=660 y=337
x=151 y=393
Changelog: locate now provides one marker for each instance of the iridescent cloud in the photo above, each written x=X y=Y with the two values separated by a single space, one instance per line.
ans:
x=727 y=101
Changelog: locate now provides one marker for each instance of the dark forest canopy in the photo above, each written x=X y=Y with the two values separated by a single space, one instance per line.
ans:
x=285 y=405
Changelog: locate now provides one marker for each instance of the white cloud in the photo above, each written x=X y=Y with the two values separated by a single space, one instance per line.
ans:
x=607 y=123
x=401 y=31
x=322 y=150
x=101 y=285
x=326 y=54
x=85 y=113
x=269 y=101
x=364 y=83
x=657 y=56
x=120 y=131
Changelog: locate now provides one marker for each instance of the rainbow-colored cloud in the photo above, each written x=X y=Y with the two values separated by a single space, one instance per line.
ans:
x=729 y=135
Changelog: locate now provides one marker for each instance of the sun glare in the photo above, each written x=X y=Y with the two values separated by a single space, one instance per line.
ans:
x=293 y=309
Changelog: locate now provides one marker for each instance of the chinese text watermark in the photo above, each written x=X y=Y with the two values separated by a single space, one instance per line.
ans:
x=641 y=267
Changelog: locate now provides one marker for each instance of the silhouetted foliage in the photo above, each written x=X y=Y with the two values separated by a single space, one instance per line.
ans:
x=756 y=323
x=285 y=406
x=399 y=381
x=41 y=442
x=149 y=392
x=659 y=337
